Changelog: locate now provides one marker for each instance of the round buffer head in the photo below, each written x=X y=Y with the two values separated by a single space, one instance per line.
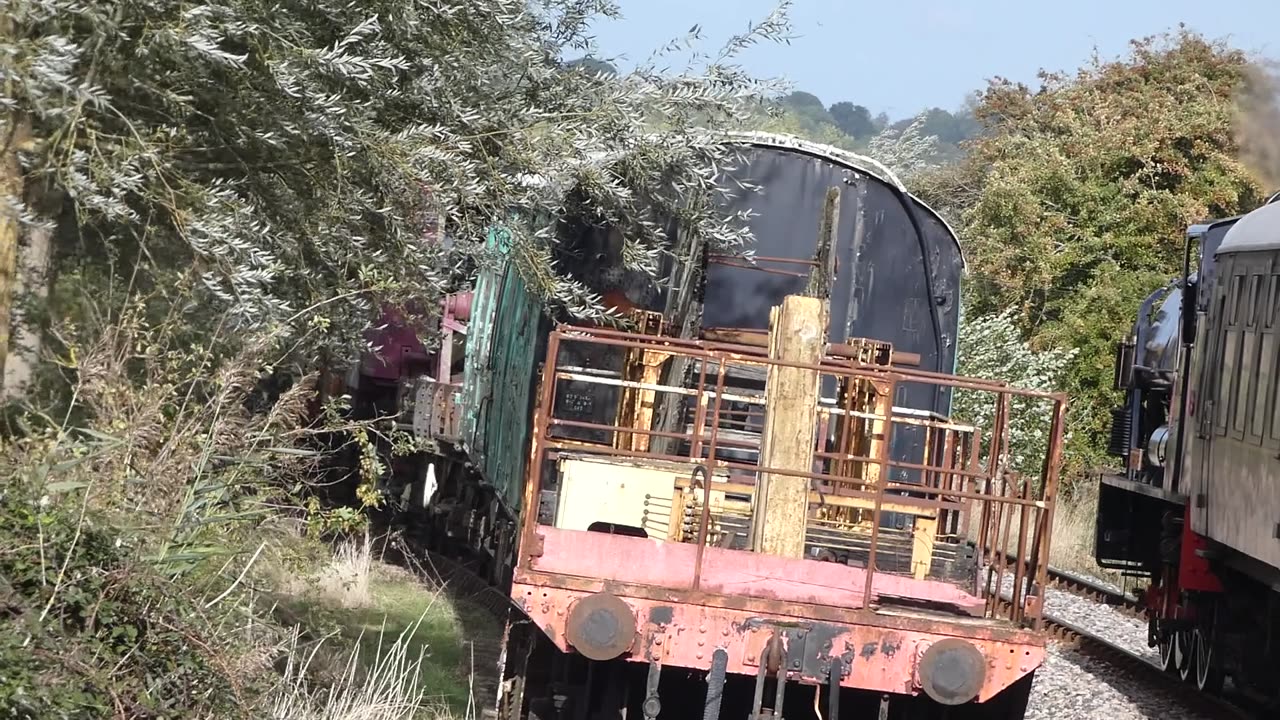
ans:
x=601 y=626
x=952 y=671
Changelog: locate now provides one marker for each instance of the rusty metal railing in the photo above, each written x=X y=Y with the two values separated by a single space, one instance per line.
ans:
x=963 y=470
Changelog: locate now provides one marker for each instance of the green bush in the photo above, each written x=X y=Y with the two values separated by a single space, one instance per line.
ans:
x=90 y=631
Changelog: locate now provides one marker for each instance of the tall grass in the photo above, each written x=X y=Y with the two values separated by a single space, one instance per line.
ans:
x=387 y=689
x=345 y=579
x=1071 y=538
x=1075 y=521
x=150 y=503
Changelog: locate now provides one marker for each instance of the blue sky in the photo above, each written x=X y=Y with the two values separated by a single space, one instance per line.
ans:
x=899 y=56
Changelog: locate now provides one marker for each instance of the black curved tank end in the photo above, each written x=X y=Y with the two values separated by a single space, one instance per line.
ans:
x=886 y=288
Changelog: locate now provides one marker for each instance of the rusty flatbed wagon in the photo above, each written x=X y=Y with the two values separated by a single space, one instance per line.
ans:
x=744 y=494
x=651 y=557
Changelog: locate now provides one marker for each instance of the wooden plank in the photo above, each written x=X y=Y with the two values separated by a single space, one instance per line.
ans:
x=753 y=338
x=817 y=498
x=797 y=333
x=823 y=274
x=924 y=533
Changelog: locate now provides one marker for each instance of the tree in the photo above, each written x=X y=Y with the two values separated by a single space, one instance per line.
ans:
x=594 y=65
x=1074 y=200
x=854 y=120
x=804 y=101
x=283 y=168
x=809 y=109
x=789 y=122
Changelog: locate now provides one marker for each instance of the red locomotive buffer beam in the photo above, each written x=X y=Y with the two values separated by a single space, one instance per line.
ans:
x=641 y=545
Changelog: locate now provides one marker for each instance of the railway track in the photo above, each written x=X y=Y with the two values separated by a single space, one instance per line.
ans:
x=1091 y=589
x=1139 y=668
x=1146 y=672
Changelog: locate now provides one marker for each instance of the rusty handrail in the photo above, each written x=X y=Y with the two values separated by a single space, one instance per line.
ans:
x=943 y=487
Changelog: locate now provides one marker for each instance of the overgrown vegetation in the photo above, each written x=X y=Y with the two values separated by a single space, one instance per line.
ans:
x=218 y=197
x=992 y=347
x=215 y=199
x=852 y=127
x=86 y=616
x=155 y=564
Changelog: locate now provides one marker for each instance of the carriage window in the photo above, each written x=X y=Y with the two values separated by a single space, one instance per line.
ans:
x=1270 y=312
x=1266 y=365
x=1248 y=361
x=1230 y=350
x=1275 y=403
x=1254 y=282
x=1233 y=317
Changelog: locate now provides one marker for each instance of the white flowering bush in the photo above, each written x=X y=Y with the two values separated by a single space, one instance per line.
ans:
x=991 y=347
x=909 y=152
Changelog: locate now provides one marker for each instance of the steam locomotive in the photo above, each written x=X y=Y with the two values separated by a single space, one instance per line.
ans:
x=627 y=491
x=1195 y=511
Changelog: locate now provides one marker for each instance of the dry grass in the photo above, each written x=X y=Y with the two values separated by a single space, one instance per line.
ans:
x=387 y=687
x=1074 y=524
x=345 y=580
x=368 y=631
x=1072 y=538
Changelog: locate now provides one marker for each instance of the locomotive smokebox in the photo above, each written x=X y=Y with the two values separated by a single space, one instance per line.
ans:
x=952 y=671
x=601 y=627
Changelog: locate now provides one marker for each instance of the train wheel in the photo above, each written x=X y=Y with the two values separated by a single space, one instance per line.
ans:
x=1168 y=661
x=1184 y=654
x=1209 y=675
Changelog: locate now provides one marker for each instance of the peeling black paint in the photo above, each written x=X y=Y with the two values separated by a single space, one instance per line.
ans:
x=889 y=647
x=662 y=615
x=869 y=650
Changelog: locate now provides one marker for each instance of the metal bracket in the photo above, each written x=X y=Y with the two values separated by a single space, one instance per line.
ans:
x=715 y=684
x=652 y=705
x=773 y=661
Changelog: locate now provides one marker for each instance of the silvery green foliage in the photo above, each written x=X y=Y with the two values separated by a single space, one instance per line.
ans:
x=992 y=348
x=908 y=152
x=294 y=157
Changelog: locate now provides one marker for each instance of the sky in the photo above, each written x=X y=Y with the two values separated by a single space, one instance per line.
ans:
x=900 y=56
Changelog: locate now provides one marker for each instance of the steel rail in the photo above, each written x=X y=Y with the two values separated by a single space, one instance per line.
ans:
x=1143 y=670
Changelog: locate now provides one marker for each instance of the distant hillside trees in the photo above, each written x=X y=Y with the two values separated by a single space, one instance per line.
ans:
x=1073 y=199
x=854 y=120
x=853 y=127
x=592 y=65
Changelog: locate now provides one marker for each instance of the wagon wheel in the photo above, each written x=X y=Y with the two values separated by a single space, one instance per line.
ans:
x=1184 y=654
x=1209 y=675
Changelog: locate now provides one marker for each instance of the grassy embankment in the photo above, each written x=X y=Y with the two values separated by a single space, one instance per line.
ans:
x=157 y=559
x=95 y=629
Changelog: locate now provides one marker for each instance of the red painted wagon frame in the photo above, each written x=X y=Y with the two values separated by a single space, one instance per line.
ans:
x=820 y=634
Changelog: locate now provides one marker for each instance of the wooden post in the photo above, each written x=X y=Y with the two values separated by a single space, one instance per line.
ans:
x=823 y=274
x=797 y=333
x=10 y=189
x=15 y=134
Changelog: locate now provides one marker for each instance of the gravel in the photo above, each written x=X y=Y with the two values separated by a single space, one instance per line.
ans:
x=1104 y=621
x=1074 y=686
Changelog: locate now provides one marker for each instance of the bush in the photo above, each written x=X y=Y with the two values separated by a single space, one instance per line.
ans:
x=90 y=631
x=991 y=347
